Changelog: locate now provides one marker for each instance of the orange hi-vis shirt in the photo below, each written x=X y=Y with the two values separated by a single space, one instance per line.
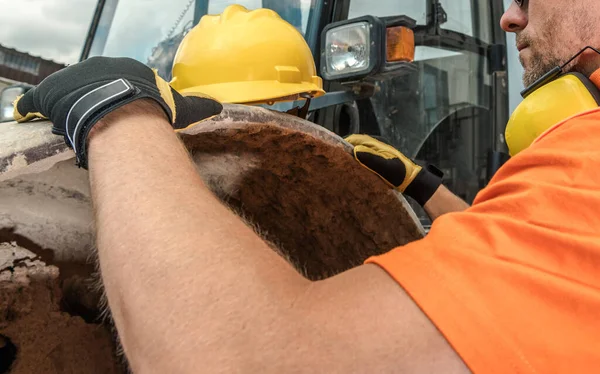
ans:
x=513 y=283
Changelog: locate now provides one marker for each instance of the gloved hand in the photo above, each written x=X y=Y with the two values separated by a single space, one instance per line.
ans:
x=78 y=96
x=396 y=169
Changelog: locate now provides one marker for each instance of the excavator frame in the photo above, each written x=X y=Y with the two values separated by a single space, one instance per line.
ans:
x=463 y=93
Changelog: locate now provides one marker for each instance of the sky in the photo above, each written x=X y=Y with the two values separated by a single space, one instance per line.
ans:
x=52 y=29
x=56 y=29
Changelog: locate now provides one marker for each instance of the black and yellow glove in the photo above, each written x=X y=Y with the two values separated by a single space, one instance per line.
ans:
x=396 y=169
x=78 y=96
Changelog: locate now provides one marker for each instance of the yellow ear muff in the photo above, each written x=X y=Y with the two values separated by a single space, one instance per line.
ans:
x=547 y=106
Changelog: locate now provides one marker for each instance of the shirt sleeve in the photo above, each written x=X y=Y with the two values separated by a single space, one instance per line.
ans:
x=512 y=283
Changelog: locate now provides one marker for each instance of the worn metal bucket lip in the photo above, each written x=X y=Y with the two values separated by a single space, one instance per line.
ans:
x=24 y=144
x=237 y=116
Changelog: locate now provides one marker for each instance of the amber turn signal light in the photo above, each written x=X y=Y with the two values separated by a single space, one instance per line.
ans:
x=400 y=43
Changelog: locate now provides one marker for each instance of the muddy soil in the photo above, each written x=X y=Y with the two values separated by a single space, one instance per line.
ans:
x=312 y=199
x=48 y=340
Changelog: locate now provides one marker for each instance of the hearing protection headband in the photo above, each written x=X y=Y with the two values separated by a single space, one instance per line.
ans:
x=552 y=74
x=550 y=100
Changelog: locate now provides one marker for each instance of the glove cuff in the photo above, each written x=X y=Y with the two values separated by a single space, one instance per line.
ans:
x=89 y=109
x=93 y=106
x=425 y=184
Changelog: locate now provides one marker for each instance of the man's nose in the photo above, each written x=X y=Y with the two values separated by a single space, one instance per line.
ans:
x=514 y=19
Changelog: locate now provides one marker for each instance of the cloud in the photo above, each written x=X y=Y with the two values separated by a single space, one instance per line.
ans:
x=140 y=25
x=56 y=29
x=52 y=29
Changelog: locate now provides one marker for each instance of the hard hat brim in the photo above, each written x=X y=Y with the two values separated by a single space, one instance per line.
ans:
x=255 y=92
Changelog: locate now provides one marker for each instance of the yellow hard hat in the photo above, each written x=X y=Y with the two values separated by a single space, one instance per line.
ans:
x=244 y=56
x=547 y=106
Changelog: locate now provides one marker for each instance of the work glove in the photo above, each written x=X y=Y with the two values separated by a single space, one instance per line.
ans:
x=397 y=170
x=78 y=96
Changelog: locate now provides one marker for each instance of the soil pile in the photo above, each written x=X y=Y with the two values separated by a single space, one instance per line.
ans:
x=324 y=211
x=47 y=339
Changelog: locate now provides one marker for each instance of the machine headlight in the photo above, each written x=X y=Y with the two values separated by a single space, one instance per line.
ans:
x=7 y=97
x=366 y=46
x=348 y=49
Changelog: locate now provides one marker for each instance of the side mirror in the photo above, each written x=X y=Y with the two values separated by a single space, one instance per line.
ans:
x=367 y=47
x=7 y=97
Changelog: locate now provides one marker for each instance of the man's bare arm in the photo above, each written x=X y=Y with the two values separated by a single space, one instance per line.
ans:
x=443 y=201
x=193 y=289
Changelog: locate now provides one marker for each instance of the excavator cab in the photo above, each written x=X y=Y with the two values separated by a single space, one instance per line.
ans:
x=445 y=102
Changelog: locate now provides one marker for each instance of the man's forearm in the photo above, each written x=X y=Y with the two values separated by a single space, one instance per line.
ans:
x=443 y=201
x=161 y=231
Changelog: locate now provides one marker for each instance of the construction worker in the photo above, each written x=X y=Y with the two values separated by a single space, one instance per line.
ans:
x=510 y=285
x=284 y=73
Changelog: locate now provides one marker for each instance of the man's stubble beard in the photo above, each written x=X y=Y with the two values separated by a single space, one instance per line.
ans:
x=539 y=64
x=544 y=58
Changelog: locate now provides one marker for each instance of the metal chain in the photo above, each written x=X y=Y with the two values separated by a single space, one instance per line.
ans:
x=187 y=8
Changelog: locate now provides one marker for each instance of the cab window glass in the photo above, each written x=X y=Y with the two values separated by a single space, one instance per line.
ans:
x=383 y=8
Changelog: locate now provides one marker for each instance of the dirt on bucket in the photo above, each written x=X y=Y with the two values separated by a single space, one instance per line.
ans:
x=47 y=339
x=323 y=210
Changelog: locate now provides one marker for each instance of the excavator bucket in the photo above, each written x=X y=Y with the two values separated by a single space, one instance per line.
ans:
x=295 y=182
